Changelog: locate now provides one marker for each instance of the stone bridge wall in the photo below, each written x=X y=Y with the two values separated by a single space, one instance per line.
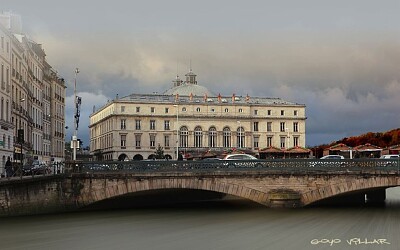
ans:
x=271 y=191
x=66 y=193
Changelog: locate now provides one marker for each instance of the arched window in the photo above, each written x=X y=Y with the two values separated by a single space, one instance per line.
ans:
x=240 y=137
x=198 y=137
x=212 y=137
x=227 y=137
x=198 y=109
x=183 y=137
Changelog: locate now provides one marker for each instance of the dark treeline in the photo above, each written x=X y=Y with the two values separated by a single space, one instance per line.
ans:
x=380 y=139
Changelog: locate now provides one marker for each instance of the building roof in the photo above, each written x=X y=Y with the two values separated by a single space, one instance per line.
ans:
x=367 y=147
x=271 y=150
x=187 y=89
x=299 y=150
x=191 y=98
x=340 y=147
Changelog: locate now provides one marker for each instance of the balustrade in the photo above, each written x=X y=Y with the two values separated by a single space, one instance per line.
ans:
x=275 y=166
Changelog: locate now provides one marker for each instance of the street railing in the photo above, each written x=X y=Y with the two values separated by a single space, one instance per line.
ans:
x=26 y=172
x=276 y=166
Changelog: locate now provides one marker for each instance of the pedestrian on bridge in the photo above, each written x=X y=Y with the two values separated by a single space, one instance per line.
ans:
x=180 y=156
x=8 y=167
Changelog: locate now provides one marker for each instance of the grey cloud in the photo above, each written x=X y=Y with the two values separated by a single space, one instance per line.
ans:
x=341 y=60
x=348 y=88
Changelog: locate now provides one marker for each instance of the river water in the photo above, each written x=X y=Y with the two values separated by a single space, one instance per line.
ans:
x=229 y=224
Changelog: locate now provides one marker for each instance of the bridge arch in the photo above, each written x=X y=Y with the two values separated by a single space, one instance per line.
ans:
x=100 y=191
x=345 y=187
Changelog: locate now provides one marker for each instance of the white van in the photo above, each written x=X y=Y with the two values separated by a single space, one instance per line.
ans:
x=389 y=157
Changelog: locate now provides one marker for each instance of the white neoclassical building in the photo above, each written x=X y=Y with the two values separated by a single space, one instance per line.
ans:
x=191 y=119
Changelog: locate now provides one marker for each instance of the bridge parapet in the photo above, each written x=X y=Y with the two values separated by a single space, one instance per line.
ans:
x=291 y=166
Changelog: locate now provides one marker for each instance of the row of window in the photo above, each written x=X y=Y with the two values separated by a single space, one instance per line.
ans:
x=167 y=125
x=212 y=140
x=198 y=109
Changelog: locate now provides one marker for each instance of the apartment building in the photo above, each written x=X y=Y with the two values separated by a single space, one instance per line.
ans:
x=31 y=88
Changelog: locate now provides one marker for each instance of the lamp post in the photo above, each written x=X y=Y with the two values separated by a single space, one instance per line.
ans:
x=239 y=144
x=75 y=136
x=20 y=136
x=177 y=130
x=288 y=140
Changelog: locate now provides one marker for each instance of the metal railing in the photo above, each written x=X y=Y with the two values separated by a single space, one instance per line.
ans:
x=16 y=172
x=275 y=166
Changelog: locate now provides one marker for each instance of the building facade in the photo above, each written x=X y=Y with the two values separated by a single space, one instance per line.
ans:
x=6 y=125
x=28 y=99
x=191 y=119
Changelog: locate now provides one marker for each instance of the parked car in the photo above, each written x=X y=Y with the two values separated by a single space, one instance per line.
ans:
x=326 y=160
x=389 y=157
x=241 y=160
x=240 y=157
x=332 y=157
x=36 y=169
x=388 y=160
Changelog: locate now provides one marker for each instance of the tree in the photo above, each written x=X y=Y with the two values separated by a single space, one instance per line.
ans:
x=159 y=152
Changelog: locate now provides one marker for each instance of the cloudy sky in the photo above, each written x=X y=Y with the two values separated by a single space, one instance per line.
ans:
x=339 y=58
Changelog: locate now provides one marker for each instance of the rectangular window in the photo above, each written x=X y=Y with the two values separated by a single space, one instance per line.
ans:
x=166 y=141
x=152 y=109
x=123 y=141
x=295 y=141
x=137 y=124
x=152 y=124
x=282 y=127
x=137 y=140
x=269 y=141
x=282 y=112
x=269 y=126
x=166 y=110
x=269 y=112
x=166 y=125
x=295 y=127
x=283 y=142
x=123 y=124
x=137 y=109
x=152 y=141
x=122 y=109
x=295 y=113
x=255 y=126
x=256 y=112
x=255 y=140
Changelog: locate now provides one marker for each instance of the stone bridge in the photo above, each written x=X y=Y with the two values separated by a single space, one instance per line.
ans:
x=279 y=186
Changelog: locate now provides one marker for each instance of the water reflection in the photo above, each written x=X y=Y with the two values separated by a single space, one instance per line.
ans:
x=228 y=224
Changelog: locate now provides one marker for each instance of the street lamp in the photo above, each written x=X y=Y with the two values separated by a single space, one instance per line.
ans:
x=75 y=136
x=240 y=135
x=20 y=136
x=288 y=140
x=177 y=130
x=288 y=137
